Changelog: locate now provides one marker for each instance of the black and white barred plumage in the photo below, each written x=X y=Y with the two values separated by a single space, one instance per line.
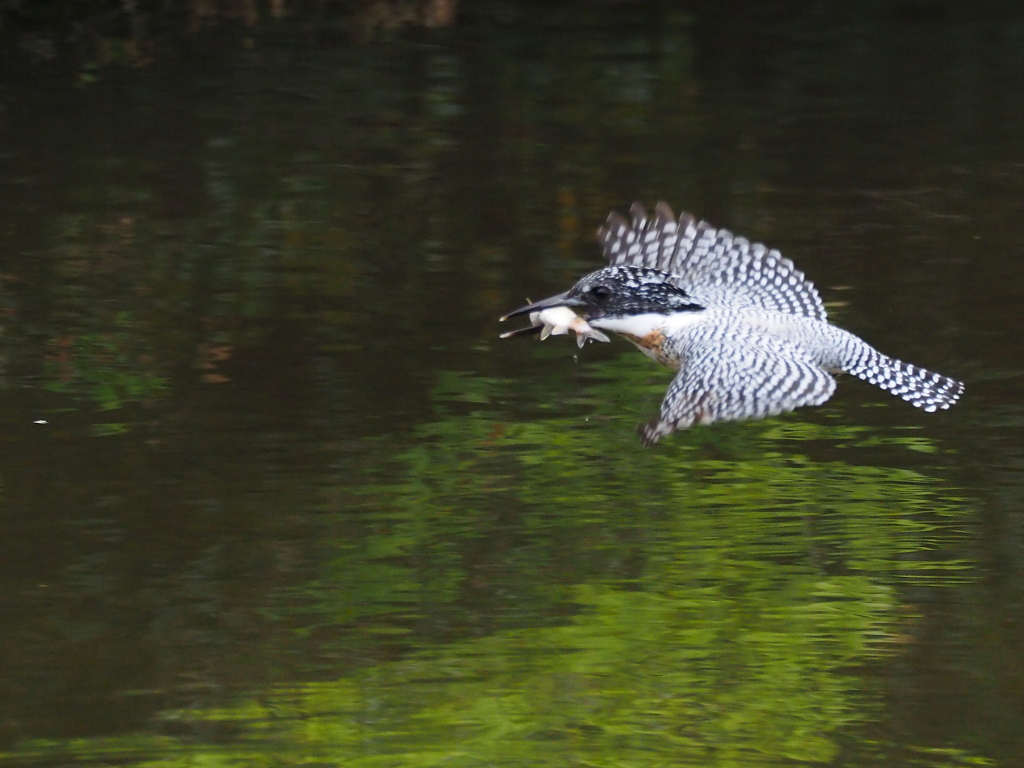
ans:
x=744 y=329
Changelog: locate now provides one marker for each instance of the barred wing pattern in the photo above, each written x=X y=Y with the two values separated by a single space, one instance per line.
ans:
x=734 y=373
x=710 y=264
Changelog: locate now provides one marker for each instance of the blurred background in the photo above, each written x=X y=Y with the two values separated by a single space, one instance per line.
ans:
x=272 y=492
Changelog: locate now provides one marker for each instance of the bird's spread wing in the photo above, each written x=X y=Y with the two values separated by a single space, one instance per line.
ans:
x=729 y=374
x=710 y=264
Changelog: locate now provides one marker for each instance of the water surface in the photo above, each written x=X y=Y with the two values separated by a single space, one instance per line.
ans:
x=274 y=492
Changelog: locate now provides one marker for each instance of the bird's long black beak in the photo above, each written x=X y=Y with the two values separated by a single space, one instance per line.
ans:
x=558 y=300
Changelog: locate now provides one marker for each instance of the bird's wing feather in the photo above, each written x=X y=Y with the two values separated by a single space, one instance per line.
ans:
x=729 y=374
x=710 y=264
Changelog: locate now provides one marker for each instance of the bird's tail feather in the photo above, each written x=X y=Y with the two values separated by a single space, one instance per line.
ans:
x=921 y=388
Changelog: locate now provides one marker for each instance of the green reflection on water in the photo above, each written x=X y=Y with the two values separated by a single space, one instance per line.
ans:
x=104 y=328
x=547 y=592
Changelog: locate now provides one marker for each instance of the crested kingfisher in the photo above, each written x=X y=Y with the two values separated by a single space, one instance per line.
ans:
x=744 y=330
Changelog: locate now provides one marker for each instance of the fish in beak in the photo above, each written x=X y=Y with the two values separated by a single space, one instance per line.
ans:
x=554 y=317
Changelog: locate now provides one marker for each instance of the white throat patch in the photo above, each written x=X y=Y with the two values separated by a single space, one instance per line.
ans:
x=647 y=323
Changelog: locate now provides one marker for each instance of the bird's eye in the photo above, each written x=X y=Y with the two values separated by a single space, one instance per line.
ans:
x=600 y=292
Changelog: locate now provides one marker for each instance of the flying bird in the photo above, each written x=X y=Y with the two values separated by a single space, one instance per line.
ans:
x=744 y=330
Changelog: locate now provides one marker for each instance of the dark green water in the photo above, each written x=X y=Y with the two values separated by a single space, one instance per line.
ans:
x=274 y=493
